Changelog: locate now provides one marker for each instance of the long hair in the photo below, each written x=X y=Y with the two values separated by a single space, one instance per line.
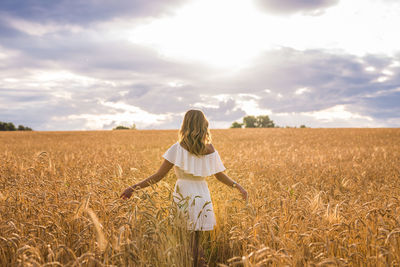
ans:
x=194 y=133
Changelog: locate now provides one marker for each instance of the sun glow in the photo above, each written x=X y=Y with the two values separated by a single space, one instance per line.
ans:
x=220 y=33
x=231 y=33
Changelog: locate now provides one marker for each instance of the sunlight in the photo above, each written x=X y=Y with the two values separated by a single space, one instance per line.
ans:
x=229 y=34
x=364 y=27
x=223 y=36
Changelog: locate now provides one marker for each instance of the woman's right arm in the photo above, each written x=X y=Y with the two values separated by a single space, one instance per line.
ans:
x=222 y=177
x=152 y=179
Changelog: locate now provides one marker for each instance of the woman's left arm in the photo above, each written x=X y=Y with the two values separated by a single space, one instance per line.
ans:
x=222 y=177
x=152 y=179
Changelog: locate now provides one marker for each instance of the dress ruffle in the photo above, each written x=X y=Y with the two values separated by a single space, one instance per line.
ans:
x=205 y=165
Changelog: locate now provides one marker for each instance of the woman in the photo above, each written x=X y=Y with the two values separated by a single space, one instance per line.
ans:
x=193 y=158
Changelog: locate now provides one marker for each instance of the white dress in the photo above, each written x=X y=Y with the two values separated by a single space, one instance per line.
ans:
x=191 y=190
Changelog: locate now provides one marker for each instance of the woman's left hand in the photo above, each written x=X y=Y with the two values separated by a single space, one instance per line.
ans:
x=243 y=192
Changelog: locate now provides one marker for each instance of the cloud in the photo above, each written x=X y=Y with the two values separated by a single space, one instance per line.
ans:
x=57 y=83
x=117 y=114
x=61 y=81
x=308 y=84
x=336 y=116
x=303 y=81
x=314 y=7
x=83 y=12
x=314 y=87
x=225 y=111
x=384 y=106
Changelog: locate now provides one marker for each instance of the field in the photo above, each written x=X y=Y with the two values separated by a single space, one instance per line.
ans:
x=317 y=197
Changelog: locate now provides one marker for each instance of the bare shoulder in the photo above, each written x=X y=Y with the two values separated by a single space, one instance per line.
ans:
x=210 y=148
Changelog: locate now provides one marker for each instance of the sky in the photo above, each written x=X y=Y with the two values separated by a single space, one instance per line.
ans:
x=93 y=65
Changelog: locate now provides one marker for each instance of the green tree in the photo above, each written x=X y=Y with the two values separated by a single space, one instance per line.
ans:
x=250 y=122
x=263 y=121
x=303 y=126
x=236 y=124
x=10 y=127
x=120 y=127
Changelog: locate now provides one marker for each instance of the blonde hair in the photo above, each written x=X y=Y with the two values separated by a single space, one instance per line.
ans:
x=194 y=133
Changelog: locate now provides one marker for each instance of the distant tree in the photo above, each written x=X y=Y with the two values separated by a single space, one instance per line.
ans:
x=236 y=124
x=250 y=122
x=303 y=126
x=10 y=127
x=24 y=128
x=120 y=127
x=263 y=121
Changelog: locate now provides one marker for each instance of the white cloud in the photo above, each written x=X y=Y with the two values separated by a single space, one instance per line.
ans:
x=302 y=90
x=395 y=64
x=243 y=101
x=307 y=7
x=201 y=105
x=370 y=69
x=52 y=77
x=120 y=114
x=39 y=29
x=62 y=94
x=337 y=112
x=123 y=93
x=175 y=84
x=8 y=54
x=387 y=72
x=379 y=93
x=382 y=79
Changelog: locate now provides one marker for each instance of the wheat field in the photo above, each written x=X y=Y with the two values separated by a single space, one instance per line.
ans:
x=317 y=197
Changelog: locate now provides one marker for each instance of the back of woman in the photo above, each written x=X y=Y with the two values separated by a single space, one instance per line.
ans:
x=193 y=158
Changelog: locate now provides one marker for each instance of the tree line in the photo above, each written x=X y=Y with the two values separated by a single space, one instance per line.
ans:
x=9 y=126
x=122 y=127
x=262 y=121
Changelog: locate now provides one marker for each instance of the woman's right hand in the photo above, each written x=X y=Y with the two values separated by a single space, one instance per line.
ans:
x=127 y=193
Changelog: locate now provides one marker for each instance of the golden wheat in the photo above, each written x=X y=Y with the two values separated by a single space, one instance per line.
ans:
x=318 y=197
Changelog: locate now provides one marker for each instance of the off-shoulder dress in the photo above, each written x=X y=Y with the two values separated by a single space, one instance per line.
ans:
x=191 y=190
